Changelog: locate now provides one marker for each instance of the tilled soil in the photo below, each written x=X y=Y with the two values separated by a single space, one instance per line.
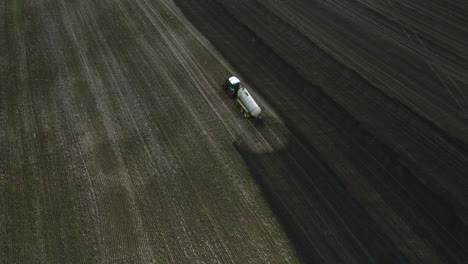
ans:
x=118 y=145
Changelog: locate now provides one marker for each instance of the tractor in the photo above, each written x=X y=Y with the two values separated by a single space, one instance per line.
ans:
x=248 y=106
x=231 y=86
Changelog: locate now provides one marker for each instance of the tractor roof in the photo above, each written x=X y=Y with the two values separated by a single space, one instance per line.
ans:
x=234 y=80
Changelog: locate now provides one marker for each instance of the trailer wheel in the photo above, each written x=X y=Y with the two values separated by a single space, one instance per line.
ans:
x=242 y=110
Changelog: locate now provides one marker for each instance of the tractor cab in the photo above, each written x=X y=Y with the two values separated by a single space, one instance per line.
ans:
x=231 y=86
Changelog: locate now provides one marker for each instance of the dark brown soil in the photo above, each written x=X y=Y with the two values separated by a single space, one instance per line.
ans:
x=118 y=145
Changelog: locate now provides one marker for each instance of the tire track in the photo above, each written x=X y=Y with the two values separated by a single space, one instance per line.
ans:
x=339 y=41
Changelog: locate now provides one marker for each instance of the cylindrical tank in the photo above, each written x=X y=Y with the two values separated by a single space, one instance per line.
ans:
x=249 y=102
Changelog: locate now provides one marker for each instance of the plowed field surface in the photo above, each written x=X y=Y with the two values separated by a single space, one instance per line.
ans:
x=118 y=145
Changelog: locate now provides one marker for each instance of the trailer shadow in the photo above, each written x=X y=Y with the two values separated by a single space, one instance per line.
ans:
x=314 y=208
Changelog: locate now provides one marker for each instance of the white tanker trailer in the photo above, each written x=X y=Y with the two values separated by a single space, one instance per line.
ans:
x=248 y=105
x=234 y=88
